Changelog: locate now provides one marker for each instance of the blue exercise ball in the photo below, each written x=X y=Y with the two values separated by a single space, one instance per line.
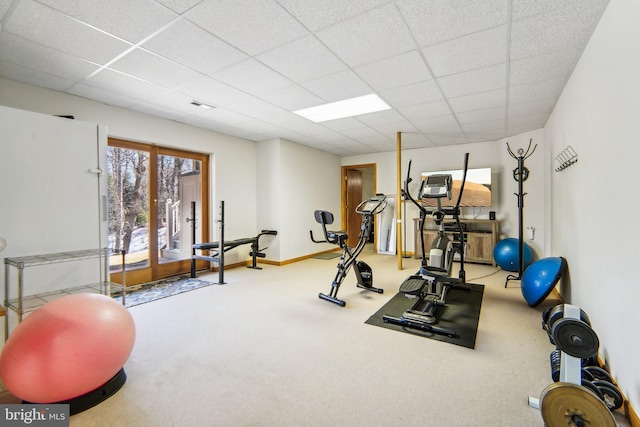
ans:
x=539 y=279
x=506 y=254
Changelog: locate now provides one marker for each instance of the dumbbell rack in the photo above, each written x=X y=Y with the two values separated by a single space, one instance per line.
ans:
x=567 y=402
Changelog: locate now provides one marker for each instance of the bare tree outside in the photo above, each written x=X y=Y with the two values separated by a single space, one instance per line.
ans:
x=129 y=197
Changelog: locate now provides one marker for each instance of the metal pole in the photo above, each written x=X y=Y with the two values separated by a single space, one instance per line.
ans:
x=399 y=199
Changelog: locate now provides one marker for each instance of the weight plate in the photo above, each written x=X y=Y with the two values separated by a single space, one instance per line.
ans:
x=598 y=373
x=575 y=337
x=555 y=314
x=545 y=316
x=610 y=394
x=586 y=376
x=591 y=386
x=565 y=404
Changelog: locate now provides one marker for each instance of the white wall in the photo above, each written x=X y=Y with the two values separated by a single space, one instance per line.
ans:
x=233 y=161
x=593 y=200
x=491 y=154
x=302 y=180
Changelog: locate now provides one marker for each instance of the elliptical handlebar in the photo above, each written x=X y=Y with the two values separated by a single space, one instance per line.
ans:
x=405 y=190
x=464 y=179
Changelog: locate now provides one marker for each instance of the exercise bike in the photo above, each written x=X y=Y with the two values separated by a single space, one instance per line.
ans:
x=434 y=279
x=364 y=275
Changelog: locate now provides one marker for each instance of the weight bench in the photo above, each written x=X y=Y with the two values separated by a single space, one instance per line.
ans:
x=217 y=254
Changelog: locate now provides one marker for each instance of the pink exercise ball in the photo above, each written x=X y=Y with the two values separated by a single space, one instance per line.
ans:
x=67 y=348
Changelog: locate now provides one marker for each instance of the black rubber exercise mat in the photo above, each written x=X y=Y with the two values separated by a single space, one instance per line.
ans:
x=461 y=313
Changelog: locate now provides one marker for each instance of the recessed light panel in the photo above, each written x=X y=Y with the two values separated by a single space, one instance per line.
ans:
x=346 y=108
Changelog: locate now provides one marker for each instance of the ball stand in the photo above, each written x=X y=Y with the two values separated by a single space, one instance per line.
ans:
x=567 y=402
x=94 y=397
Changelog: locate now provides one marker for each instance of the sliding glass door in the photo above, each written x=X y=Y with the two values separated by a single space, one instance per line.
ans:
x=158 y=202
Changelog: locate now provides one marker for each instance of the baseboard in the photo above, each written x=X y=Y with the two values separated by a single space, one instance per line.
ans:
x=631 y=413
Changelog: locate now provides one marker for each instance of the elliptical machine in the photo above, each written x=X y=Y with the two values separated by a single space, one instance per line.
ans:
x=364 y=275
x=432 y=282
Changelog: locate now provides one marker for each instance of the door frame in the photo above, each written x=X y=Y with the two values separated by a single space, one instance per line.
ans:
x=157 y=271
x=343 y=193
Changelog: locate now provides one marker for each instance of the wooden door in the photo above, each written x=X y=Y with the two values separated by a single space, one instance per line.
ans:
x=353 y=199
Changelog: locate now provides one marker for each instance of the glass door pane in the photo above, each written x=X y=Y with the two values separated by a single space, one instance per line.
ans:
x=128 y=181
x=179 y=200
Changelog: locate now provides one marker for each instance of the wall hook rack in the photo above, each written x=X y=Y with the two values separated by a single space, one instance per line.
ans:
x=566 y=158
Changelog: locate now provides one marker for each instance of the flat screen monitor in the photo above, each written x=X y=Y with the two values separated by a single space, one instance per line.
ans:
x=477 y=188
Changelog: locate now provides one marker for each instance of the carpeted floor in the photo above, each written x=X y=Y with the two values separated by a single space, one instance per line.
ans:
x=161 y=289
x=328 y=255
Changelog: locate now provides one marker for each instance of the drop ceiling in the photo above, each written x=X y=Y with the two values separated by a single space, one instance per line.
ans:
x=454 y=72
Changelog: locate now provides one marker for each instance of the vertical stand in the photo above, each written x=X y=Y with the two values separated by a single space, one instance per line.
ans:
x=192 y=220
x=222 y=248
x=521 y=173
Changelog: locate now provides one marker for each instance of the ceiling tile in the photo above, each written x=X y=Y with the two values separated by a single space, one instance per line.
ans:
x=566 y=28
x=193 y=47
x=548 y=66
x=415 y=140
x=481 y=80
x=426 y=110
x=41 y=24
x=489 y=127
x=401 y=70
x=466 y=53
x=360 y=133
x=253 y=77
x=431 y=123
x=316 y=15
x=256 y=108
x=336 y=87
x=287 y=120
x=413 y=94
x=153 y=68
x=535 y=91
x=525 y=123
x=4 y=7
x=446 y=20
x=341 y=125
x=33 y=76
x=156 y=110
x=253 y=26
x=132 y=20
x=213 y=92
x=118 y=83
x=448 y=136
x=179 y=6
x=542 y=106
x=357 y=41
x=484 y=115
x=477 y=101
x=292 y=98
x=32 y=55
x=258 y=60
x=302 y=60
x=524 y=8
x=102 y=95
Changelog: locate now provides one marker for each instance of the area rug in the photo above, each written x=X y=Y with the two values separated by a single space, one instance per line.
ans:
x=160 y=289
x=461 y=313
